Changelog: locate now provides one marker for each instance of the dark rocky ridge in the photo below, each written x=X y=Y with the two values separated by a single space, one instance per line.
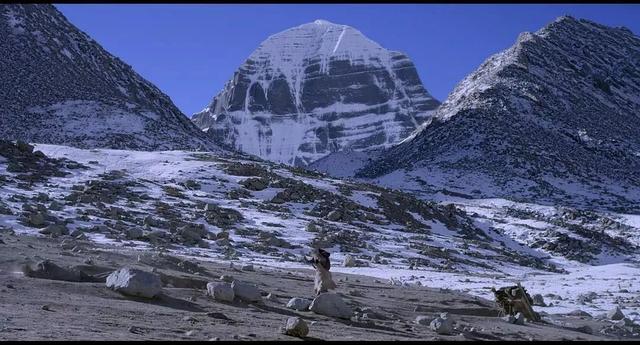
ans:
x=59 y=86
x=561 y=105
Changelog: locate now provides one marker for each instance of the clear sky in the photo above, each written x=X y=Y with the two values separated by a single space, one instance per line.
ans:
x=190 y=50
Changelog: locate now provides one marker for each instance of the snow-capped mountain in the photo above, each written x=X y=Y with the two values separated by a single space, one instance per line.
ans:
x=554 y=118
x=60 y=86
x=315 y=89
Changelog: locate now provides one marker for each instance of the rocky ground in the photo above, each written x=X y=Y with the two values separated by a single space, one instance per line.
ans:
x=44 y=309
x=189 y=215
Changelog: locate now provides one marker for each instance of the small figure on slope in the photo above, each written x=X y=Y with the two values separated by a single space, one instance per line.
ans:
x=320 y=261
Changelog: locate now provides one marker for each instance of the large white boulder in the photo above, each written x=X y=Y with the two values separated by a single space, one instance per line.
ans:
x=221 y=291
x=246 y=292
x=135 y=282
x=330 y=304
x=297 y=303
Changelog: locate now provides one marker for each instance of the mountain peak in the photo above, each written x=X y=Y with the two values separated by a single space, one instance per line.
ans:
x=559 y=105
x=62 y=87
x=322 y=22
x=314 y=89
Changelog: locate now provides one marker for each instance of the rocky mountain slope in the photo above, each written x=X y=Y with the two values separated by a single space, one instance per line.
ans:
x=315 y=89
x=223 y=207
x=553 y=119
x=60 y=86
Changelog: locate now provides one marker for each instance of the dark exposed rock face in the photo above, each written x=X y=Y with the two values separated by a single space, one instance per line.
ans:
x=316 y=89
x=554 y=117
x=59 y=86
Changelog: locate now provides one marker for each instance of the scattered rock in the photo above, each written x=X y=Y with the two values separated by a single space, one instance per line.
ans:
x=296 y=327
x=422 y=320
x=55 y=206
x=133 y=233
x=255 y=184
x=300 y=304
x=586 y=297
x=538 y=300
x=580 y=313
x=356 y=293
x=585 y=329
x=334 y=215
x=349 y=261
x=135 y=282
x=55 y=230
x=216 y=315
x=330 y=304
x=221 y=291
x=246 y=292
x=312 y=227
x=442 y=324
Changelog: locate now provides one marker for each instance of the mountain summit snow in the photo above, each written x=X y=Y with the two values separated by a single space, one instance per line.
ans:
x=57 y=85
x=555 y=117
x=315 y=89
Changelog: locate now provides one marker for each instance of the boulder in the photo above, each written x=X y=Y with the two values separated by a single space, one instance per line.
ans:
x=442 y=324
x=312 y=227
x=580 y=313
x=221 y=291
x=586 y=297
x=422 y=320
x=133 y=233
x=296 y=327
x=255 y=184
x=247 y=267
x=36 y=219
x=334 y=215
x=585 y=329
x=350 y=261
x=55 y=206
x=246 y=292
x=55 y=230
x=538 y=300
x=330 y=304
x=615 y=314
x=299 y=304
x=135 y=282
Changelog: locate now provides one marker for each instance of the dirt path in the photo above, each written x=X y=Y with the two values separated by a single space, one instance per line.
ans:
x=90 y=311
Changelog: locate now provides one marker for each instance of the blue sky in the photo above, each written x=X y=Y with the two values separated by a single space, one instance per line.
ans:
x=190 y=50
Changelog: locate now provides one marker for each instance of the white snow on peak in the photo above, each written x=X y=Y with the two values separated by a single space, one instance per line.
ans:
x=288 y=51
x=322 y=22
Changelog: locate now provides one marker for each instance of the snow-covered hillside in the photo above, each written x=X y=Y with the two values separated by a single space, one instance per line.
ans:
x=316 y=89
x=553 y=119
x=57 y=85
x=221 y=207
